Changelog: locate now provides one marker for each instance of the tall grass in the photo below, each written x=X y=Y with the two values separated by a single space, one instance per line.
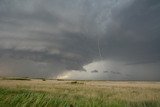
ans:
x=90 y=94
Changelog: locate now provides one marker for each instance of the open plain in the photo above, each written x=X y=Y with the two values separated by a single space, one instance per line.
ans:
x=67 y=93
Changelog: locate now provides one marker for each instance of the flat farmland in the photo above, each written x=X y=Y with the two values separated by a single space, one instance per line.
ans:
x=63 y=93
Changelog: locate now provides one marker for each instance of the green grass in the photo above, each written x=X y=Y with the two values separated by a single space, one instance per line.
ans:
x=63 y=94
x=23 y=98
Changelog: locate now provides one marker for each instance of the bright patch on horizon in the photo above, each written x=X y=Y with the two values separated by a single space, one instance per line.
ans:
x=64 y=76
x=98 y=65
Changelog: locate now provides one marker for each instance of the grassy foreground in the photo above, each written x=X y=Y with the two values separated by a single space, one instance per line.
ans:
x=53 y=93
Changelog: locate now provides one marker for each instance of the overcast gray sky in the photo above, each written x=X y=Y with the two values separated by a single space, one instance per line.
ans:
x=80 y=39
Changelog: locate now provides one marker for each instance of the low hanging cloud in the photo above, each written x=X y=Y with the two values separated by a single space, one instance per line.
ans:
x=105 y=71
x=47 y=38
x=94 y=71
x=114 y=72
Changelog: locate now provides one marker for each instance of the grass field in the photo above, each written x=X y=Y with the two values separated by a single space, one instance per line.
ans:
x=54 y=93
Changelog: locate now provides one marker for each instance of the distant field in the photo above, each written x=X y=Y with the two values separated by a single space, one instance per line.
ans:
x=54 y=93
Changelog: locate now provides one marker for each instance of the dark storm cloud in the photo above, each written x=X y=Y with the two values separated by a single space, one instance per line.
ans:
x=144 y=62
x=62 y=35
x=134 y=33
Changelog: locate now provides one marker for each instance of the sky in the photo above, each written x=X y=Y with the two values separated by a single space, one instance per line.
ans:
x=80 y=39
